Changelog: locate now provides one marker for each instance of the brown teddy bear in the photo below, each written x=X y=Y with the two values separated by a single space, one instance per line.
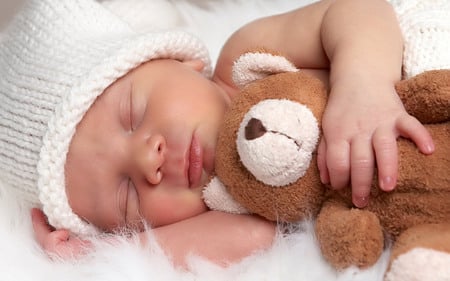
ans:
x=266 y=165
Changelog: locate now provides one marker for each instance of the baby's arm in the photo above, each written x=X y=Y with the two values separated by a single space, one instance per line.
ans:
x=364 y=115
x=295 y=35
x=219 y=237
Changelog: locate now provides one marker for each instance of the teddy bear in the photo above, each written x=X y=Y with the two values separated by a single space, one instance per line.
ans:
x=266 y=165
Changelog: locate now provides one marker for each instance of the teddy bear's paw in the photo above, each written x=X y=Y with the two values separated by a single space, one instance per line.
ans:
x=420 y=264
x=277 y=151
x=350 y=238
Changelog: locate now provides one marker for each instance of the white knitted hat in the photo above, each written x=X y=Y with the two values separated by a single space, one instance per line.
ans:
x=425 y=26
x=56 y=57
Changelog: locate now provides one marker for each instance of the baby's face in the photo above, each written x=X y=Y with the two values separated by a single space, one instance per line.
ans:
x=145 y=148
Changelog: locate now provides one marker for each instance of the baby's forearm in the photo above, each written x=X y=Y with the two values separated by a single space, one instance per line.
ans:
x=219 y=237
x=362 y=37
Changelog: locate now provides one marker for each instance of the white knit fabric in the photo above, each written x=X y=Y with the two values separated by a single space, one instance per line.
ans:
x=56 y=57
x=426 y=29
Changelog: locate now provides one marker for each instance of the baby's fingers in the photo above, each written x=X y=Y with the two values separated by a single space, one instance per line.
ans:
x=362 y=166
x=385 y=146
x=411 y=128
x=322 y=163
x=338 y=163
x=41 y=228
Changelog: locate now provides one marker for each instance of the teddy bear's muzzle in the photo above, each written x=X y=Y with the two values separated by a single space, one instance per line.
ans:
x=276 y=140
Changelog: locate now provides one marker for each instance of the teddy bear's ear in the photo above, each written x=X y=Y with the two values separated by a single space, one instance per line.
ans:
x=256 y=65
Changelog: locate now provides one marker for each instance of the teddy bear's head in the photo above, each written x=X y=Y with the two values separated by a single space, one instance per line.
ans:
x=266 y=151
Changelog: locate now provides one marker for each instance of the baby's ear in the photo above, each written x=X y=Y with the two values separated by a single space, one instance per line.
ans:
x=197 y=65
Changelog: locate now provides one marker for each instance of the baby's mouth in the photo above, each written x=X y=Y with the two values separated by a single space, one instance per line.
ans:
x=195 y=162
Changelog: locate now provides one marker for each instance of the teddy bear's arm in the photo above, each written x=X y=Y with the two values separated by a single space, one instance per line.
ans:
x=426 y=96
x=348 y=236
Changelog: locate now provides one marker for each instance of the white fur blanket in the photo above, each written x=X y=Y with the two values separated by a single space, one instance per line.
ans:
x=295 y=257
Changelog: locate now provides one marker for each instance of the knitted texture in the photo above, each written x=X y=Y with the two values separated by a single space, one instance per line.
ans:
x=56 y=57
x=425 y=26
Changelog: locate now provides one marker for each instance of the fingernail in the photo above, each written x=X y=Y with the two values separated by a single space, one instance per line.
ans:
x=361 y=202
x=387 y=183
x=429 y=148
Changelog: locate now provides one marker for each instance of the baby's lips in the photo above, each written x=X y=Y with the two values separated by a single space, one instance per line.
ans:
x=195 y=162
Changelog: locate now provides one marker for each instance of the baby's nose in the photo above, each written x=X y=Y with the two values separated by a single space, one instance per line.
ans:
x=154 y=155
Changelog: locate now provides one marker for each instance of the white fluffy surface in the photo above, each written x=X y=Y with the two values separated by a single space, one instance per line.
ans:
x=295 y=257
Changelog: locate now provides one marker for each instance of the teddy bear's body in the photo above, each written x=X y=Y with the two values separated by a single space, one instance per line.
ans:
x=347 y=235
x=350 y=236
x=422 y=194
x=417 y=196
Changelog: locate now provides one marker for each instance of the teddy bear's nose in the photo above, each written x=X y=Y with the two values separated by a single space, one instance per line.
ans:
x=254 y=129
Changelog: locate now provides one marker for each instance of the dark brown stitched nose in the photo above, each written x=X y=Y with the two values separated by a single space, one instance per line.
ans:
x=254 y=129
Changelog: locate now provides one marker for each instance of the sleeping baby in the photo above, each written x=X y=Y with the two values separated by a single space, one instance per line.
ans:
x=106 y=130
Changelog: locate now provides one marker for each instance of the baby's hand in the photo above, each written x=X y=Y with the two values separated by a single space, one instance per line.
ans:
x=361 y=128
x=57 y=243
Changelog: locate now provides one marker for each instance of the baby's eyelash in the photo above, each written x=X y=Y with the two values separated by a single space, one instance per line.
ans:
x=131 y=189
x=131 y=111
x=125 y=207
x=123 y=200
